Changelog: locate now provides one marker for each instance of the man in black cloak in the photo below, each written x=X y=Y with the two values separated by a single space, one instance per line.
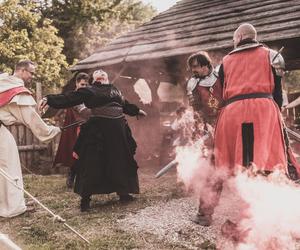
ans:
x=105 y=146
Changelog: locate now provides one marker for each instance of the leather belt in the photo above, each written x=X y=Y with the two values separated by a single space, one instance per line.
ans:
x=108 y=112
x=247 y=96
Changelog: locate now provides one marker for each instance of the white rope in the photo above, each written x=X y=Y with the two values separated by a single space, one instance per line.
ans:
x=14 y=181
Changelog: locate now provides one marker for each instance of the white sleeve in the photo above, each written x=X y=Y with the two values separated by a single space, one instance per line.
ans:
x=24 y=99
x=31 y=119
x=276 y=59
x=191 y=85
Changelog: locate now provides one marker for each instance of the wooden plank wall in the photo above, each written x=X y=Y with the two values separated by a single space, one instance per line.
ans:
x=34 y=155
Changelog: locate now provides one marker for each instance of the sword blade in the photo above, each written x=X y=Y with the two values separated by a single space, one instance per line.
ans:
x=166 y=168
x=72 y=124
x=277 y=54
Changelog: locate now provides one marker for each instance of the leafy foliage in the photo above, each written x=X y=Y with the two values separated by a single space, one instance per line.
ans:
x=89 y=24
x=52 y=32
x=292 y=80
x=26 y=34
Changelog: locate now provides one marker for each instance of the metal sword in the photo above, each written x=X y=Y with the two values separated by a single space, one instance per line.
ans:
x=166 y=168
x=174 y=163
x=73 y=124
x=279 y=51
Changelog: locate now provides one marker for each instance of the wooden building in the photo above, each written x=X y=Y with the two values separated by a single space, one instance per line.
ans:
x=157 y=50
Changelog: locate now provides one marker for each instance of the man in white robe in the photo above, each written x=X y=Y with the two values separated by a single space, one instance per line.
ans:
x=17 y=106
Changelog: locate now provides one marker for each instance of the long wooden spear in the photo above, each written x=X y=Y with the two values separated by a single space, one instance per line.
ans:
x=56 y=217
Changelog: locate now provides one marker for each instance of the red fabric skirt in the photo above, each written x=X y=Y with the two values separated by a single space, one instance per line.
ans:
x=67 y=141
x=269 y=148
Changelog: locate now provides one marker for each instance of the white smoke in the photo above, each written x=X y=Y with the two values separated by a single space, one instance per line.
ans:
x=273 y=213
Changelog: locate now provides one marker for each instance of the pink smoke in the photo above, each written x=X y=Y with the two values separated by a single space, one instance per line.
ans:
x=269 y=211
x=193 y=156
x=193 y=168
x=273 y=212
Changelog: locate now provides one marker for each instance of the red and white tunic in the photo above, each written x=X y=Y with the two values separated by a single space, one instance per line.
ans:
x=17 y=106
x=249 y=71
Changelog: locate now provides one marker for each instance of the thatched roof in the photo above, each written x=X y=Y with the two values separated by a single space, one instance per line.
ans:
x=193 y=25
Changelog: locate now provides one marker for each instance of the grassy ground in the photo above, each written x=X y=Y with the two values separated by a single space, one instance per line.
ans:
x=38 y=230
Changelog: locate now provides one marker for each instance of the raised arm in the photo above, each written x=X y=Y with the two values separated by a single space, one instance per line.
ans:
x=31 y=119
x=69 y=99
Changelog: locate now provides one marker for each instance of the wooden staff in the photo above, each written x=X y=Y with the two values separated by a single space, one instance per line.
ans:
x=14 y=181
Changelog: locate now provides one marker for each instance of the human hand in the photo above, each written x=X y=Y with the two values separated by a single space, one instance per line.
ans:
x=42 y=107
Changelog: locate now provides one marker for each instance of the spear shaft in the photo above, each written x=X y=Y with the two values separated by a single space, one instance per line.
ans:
x=13 y=181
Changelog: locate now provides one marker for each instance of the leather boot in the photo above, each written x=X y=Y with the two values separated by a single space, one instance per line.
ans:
x=126 y=198
x=202 y=219
x=85 y=204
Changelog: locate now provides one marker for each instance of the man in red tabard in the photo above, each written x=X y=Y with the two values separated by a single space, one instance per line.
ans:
x=203 y=88
x=249 y=129
x=205 y=96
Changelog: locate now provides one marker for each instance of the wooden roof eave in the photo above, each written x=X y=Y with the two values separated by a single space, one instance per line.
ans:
x=146 y=53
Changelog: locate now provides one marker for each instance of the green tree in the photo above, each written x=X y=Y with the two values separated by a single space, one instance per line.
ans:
x=86 y=25
x=25 y=34
x=292 y=79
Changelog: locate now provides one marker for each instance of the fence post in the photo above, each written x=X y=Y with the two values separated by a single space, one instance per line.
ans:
x=38 y=92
